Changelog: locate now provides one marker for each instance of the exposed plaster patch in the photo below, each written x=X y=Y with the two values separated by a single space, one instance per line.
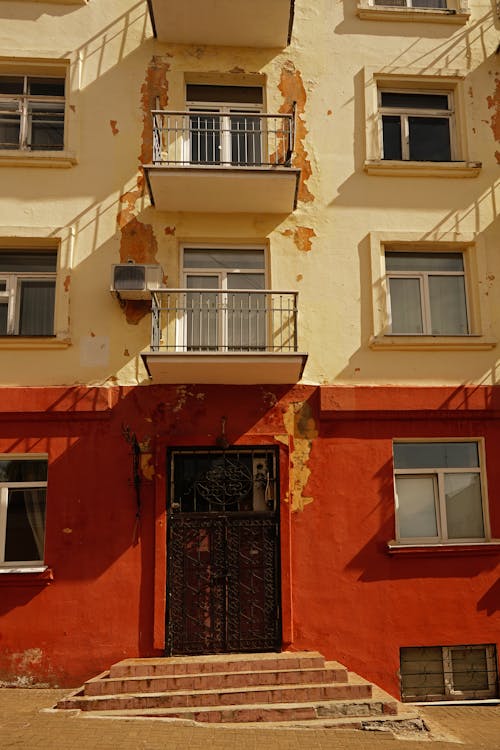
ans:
x=170 y=230
x=494 y=103
x=67 y=531
x=67 y=282
x=299 y=277
x=301 y=428
x=302 y=237
x=147 y=463
x=137 y=240
x=497 y=156
x=114 y=129
x=292 y=89
x=329 y=112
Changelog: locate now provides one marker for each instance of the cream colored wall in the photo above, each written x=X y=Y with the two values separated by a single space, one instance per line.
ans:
x=109 y=46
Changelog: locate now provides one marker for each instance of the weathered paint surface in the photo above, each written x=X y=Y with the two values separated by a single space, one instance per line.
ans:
x=301 y=428
x=302 y=236
x=292 y=89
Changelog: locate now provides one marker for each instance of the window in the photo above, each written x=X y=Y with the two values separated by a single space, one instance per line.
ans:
x=226 y=128
x=427 y=293
x=23 y=486
x=432 y=673
x=439 y=495
x=27 y=292
x=411 y=3
x=232 y=317
x=31 y=113
x=416 y=125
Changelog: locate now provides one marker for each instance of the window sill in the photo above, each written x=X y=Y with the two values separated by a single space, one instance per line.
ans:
x=51 y=159
x=432 y=343
x=434 y=15
x=390 y=168
x=35 y=575
x=33 y=342
x=444 y=548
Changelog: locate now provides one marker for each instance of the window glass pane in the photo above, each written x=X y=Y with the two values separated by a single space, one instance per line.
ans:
x=230 y=94
x=46 y=86
x=4 y=311
x=391 y=3
x=25 y=261
x=25 y=529
x=391 y=137
x=11 y=84
x=406 y=306
x=470 y=669
x=46 y=122
x=422 y=672
x=23 y=470
x=448 y=306
x=205 y=137
x=408 y=100
x=435 y=455
x=194 y=258
x=202 y=314
x=246 y=313
x=36 y=312
x=416 y=506
x=246 y=135
x=401 y=261
x=429 y=139
x=464 y=511
x=429 y=3
x=10 y=123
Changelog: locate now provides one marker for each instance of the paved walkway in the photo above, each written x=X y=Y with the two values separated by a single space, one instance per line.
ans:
x=23 y=726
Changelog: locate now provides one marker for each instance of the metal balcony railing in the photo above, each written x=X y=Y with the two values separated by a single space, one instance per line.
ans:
x=238 y=139
x=217 y=320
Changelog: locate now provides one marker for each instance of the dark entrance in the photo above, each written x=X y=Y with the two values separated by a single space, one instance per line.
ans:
x=223 y=551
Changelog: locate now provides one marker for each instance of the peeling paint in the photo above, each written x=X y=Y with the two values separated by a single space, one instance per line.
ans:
x=299 y=277
x=292 y=89
x=494 y=103
x=302 y=237
x=114 y=129
x=170 y=230
x=301 y=427
x=67 y=282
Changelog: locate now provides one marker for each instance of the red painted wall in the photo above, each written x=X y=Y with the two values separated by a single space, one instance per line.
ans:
x=343 y=594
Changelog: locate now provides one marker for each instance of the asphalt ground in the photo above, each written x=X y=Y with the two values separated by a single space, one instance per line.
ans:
x=26 y=724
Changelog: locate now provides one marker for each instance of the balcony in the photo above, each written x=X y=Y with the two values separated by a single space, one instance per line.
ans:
x=237 y=23
x=231 y=163
x=236 y=336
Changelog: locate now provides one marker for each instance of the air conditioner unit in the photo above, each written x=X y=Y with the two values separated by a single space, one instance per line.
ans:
x=136 y=280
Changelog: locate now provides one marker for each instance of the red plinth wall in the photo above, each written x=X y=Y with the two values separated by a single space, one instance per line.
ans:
x=344 y=593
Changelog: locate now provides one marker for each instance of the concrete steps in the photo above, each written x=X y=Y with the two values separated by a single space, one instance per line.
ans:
x=298 y=689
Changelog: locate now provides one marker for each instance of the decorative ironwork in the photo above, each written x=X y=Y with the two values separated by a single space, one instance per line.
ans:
x=223 y=565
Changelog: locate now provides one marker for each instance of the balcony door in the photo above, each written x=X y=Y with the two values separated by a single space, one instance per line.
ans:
x=225 y=307
x=224 y=125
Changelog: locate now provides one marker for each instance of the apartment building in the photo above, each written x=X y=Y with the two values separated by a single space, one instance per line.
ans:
x=249 y=281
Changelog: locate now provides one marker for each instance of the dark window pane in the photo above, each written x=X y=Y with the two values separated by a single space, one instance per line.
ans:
x=205 y=139
x=11 y=84
x=422 y=673
x=46 y=86
x=396 y=261
x=46 y=125
x=429 y=139
x=3 y=318
x=429 y=3
x=246 y=139
x=36 y=316
x=230 y=94
x=435 y=455
x=391 y=127
x=391 y=3
x=213 y=258
x=10 y=122
x=25 y=525
x=19 y=470
x=12 y=261
x=408 y=100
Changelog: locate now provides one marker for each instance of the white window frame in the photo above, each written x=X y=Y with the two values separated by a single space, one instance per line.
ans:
x=4 y=502
x=405 y=113
x=438 y=475
x=450 y=692
x=224 y=110
x=423 y=278
x=23 y=101
x=222 y=274
x=12 y=294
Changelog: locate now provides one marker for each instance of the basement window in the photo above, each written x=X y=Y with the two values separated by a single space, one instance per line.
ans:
x=436 y=673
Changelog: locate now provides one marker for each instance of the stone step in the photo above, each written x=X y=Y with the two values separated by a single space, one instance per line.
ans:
x=319 y=714
x=222 y=697
x=106 y=685
x=175 y=665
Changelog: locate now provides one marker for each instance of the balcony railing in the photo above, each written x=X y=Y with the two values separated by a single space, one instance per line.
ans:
x=217 y=320
x=210 y=139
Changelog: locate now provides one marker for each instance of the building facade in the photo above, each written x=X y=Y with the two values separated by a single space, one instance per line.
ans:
x=249 y=306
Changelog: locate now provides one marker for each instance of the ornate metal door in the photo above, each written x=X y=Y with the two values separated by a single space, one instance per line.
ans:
x=223 y=552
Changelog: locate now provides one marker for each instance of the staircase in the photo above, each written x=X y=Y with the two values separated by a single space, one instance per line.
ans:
x=299 y=688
